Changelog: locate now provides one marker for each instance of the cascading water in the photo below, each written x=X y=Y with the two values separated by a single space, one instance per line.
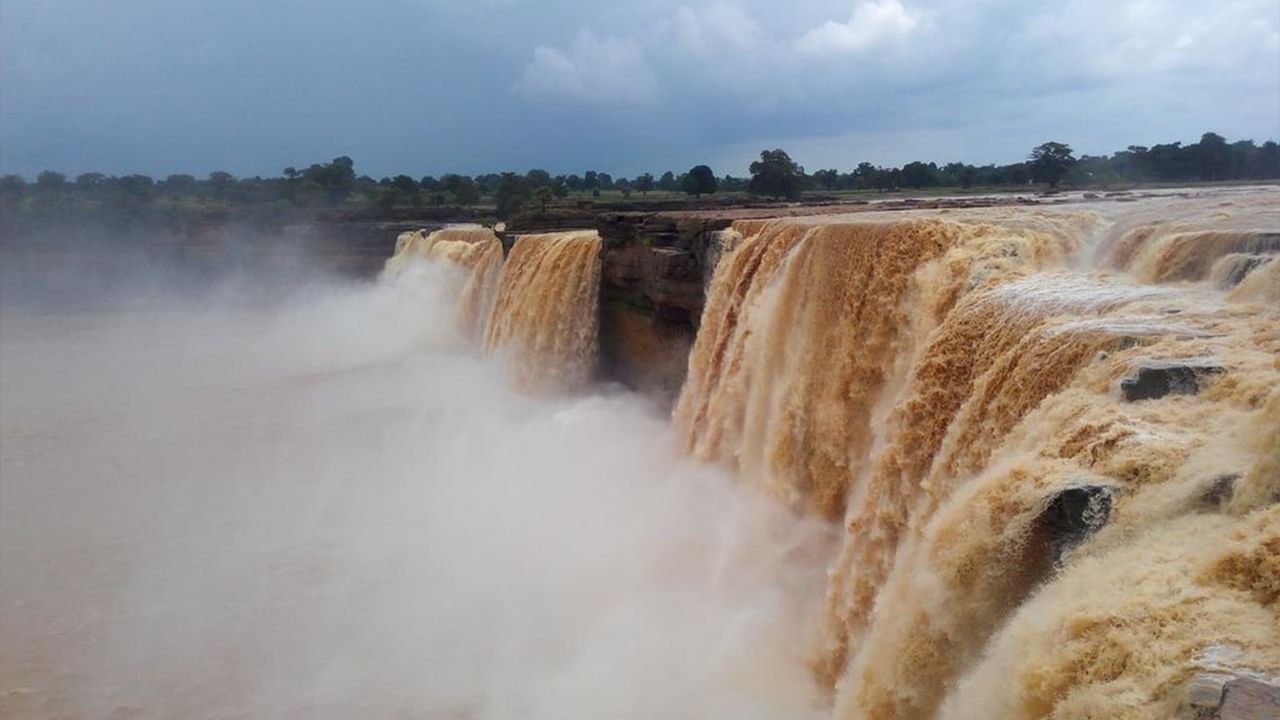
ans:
x=1011 y=486
x=473 y=248
x=538 y=309
x=960 y=402
x=545 y=317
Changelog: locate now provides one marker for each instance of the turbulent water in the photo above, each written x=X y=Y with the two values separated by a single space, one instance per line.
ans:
x=914 y=473
x=537 y=310
x=545 y=319
x=474 y=250
x=943 y=387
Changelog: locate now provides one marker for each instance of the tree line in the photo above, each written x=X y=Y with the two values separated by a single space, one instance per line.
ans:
x=775 y=175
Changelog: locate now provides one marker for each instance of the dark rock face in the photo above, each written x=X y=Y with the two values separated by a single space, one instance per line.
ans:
x=1220 y=490
x=1069 y=517
x=666 y=280
x=654 y=270
x=1073 y=515
x=643 y=352
x=1155 y=380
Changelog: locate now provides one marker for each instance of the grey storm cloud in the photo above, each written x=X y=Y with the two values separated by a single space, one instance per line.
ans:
x=431 y=86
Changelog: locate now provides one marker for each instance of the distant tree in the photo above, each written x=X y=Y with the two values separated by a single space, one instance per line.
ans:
x=291 y=172
x=827 y=179
x=12 y=190
x=511 y=195
x=699 y=181
x=591 y=181
x=917 y=175
x=864 y=175
x=537 y=178
x=50 y=180
x=544 y=195
x=406 y=190
x=777 y=175
x=134 y=191
x=462 y=188
x=489 y=183
x=667 y=183
x=644 y=183
x=605 y=181
x=88 y=180
x=1050 y=162
x=1213 y=156
x=1266 y=163
x=429 y=184
x=178 y=184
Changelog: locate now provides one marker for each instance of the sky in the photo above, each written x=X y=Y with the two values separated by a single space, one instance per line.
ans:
x=433 y=86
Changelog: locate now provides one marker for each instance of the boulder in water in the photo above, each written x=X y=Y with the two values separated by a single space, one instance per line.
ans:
x=1220 y=489
x=1073 y=515
x=1155 y=380
x=1231 y=696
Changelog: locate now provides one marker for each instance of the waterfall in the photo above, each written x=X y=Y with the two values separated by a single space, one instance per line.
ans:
x=545 y=317
x=1057 y=487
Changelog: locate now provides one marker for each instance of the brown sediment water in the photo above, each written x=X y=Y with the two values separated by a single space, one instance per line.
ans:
x=1003 y=463
x=473 y=248
x=949 y=388
x=544 y=319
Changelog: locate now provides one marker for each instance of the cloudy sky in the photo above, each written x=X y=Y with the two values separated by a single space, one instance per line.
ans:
x=431 y=86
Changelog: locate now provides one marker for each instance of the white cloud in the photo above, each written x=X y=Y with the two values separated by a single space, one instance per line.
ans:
x=593 y=70
x=872 y=23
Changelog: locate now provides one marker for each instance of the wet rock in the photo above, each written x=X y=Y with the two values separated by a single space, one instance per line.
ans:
x=1154 y=380
x=643 y=351
x=1230 y=696
x=1238 y=268
x=1073 y=515
x=1221 y=489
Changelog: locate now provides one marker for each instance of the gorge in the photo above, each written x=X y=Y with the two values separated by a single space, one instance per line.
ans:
x=952 y=461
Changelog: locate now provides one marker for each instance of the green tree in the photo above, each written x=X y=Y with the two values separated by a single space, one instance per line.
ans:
x=777 y=175
x=644 y=183
x=699 y=181
x=1050 y=162
x=93 y=179
x=50 y=180
x=544 y=196
x=917 y=175
x=1213 y=156
x=827 y=179
x=511 y=195
x=462 y=188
